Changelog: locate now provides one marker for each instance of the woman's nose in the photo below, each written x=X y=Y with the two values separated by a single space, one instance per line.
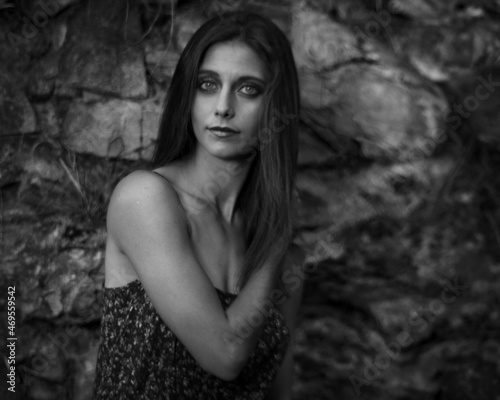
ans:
x=224 y=107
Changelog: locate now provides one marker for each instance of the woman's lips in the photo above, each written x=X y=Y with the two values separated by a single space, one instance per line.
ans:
x=222 y=131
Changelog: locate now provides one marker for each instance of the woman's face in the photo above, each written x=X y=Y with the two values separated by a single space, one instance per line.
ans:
x=225 y=114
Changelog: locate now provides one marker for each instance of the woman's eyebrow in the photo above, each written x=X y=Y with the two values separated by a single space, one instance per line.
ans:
x=240 y=79
x=251 y=78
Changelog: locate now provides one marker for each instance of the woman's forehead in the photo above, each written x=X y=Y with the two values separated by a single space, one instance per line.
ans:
x=234 y=58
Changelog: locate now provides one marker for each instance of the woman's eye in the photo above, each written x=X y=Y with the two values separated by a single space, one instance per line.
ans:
x=207 y=85
x=250 y=90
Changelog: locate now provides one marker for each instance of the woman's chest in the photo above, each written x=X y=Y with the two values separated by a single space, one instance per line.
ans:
x=219 y=247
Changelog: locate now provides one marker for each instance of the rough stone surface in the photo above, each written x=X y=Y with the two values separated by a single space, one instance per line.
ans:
x=38 y=11
x=100 y=52
x=445 y=52
x=68 y=292
x=388 y=118
x=339 y=198
x=48 y=118
x=476 y=105
x=161 y=59
x=312 y=34
x=110 y=129
x=16 y=113
x=151 y=114
x=313 y=151
x=185 y=25
x=436 y=10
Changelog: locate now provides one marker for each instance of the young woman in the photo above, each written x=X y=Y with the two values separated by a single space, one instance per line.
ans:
x=195 y=305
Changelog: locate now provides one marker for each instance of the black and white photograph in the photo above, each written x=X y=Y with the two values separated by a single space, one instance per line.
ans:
x=250 y=199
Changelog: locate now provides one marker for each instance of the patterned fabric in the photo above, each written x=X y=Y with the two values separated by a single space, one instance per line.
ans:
x=140 y=358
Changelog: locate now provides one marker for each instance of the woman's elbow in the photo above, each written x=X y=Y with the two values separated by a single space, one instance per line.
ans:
x=229 y=374
x=226 y=367
x=226 y=373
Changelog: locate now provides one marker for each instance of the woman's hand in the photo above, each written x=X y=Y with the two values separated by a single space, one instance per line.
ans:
x=273 y=266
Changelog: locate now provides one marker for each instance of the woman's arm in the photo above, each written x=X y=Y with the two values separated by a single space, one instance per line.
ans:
x=146 y=223
x=282 y=386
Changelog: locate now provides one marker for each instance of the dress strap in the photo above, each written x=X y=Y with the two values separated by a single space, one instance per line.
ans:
x=184 y=212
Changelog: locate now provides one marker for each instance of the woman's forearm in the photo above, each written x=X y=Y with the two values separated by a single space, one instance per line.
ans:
x=248 y=314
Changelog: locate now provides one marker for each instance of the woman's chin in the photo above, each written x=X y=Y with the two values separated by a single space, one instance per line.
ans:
x=232 y=153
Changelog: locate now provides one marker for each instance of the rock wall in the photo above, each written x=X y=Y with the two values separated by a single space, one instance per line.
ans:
x=399 y=216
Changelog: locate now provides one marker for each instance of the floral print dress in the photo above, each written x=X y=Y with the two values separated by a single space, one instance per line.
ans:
x=140 y=358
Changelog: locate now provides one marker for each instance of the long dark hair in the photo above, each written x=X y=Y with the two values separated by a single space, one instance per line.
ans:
x=266 y=197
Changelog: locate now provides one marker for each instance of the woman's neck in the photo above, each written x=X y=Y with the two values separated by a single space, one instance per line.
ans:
x=215 y=181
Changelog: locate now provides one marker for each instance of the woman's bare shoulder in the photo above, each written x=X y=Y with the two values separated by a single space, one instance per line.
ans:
x=143 y=184
x=146 y=194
